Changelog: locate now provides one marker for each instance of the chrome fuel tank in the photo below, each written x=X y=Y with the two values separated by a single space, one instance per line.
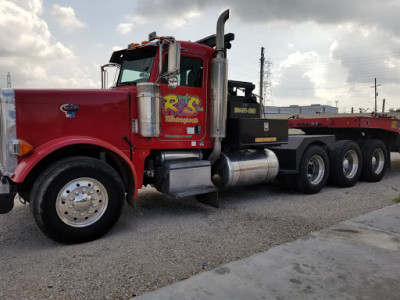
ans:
x=245 y=167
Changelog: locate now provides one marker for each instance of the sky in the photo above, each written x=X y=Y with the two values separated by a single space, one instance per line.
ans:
x=317 y=51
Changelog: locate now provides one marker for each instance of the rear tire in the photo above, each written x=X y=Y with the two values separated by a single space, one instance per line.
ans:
x=77 y=199
x=374 y=160
x=314 y=170
x=345 y=163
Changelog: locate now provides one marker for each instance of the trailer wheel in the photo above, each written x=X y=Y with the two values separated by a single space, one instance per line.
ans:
x=314 y=169
x=374 y=160
x=77 y=199
x=345 y=163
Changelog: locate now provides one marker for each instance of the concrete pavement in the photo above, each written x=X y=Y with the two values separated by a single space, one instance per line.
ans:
x=355 y=259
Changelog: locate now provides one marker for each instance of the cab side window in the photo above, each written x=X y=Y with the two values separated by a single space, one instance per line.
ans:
x=191 y=73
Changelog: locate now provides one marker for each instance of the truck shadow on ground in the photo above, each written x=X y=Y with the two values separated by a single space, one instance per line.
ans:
x=151 y=203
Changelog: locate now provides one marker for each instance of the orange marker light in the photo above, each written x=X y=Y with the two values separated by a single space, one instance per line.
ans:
x=21 y=147
x=133 y=45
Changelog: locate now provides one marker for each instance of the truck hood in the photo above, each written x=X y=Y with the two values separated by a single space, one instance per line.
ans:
x=43 y=115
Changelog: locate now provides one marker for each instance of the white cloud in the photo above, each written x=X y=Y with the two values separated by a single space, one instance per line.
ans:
x=367 y=52
x=384 y=15
x=65 y=16
x=29 y=52
x=295 y=78
x=34 y=6
x=176 y=14
x=308 y=78
x=181 y=21
x=125 y=28
x=175 y=23
x=117 y=48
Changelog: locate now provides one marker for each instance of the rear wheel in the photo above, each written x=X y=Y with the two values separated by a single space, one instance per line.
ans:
x=77 y=199
x=314 y=169
x=374 y=160
x=345 y=163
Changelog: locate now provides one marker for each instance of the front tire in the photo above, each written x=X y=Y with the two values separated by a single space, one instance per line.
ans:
x=314 y=170
x=77 y=199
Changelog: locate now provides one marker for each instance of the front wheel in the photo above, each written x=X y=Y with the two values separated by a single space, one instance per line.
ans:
x=77 y=199
x=314 y=169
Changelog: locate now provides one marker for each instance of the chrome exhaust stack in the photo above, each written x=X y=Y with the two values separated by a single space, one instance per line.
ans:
x=219 y=89
x=220 y=35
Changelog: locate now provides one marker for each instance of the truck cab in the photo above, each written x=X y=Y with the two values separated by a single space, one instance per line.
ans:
x=183 y=92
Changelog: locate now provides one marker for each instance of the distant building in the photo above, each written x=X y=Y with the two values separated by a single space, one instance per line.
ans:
x=296 y=109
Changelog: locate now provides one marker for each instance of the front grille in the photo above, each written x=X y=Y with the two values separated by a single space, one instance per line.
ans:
x=8 y=161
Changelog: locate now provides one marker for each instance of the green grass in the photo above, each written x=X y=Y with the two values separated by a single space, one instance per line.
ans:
x=397 y=200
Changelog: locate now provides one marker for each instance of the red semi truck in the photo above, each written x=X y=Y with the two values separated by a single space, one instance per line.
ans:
x=174 y=121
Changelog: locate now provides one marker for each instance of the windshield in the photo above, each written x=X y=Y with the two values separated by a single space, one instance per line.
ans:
x=136 y=66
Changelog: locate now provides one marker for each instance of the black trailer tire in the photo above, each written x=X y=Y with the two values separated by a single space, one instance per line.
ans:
x=77 y=199
x=345 y=163
x=374 y=160
x=313 y=171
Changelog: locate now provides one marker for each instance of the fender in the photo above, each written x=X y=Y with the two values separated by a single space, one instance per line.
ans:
x=39 y=153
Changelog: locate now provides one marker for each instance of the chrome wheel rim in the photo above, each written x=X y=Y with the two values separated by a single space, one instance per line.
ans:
x=350 y=164
x=378 y=161
x=315 y=169
x=81 y=202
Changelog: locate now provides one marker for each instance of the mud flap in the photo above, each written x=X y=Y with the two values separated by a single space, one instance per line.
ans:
x=7 y=196
x=209 y=199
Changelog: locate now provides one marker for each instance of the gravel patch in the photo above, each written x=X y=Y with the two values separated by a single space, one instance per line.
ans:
x=167 y=240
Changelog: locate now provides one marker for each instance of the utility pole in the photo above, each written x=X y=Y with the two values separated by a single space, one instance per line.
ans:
x=262 y=59
x=383 y=105
x=376 y=96
x=8 y=80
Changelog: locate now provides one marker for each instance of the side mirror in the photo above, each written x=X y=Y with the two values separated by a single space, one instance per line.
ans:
x=174 y=63
x=174 y=58
x=107 y=69
x=172 y=82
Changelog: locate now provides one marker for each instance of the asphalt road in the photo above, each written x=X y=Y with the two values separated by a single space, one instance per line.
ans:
x=167 y=240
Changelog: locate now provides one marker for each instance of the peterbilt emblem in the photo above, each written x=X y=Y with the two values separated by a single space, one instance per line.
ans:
x=70 y=110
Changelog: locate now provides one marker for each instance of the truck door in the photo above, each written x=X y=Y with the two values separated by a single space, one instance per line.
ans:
x=184 y=109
